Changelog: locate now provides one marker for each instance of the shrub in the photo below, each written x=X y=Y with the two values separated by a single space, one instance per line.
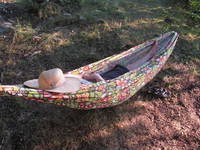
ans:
x=195 y=5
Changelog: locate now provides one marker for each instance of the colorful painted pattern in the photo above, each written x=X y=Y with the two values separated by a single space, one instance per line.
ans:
x=106 y=93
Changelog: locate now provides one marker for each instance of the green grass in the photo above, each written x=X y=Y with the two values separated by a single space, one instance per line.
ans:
x=97 y=30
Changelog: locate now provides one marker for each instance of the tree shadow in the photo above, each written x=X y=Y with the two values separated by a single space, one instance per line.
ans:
x=28 y=124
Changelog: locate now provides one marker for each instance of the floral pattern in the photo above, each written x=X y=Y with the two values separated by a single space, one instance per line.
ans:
x=102 y=94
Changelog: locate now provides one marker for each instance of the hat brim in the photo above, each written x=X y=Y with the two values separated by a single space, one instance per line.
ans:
x=71 y=84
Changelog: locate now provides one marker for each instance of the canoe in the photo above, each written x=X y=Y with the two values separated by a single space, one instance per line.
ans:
x=110 y=92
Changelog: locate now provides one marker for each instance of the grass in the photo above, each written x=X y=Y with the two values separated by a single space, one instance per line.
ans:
x=89 y=32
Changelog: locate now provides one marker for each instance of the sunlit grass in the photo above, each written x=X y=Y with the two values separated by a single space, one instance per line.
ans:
x=52 y=41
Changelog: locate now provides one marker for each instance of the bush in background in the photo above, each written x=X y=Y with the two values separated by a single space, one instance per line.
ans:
x=47 y=8
x=195 y=5
x=192 y=4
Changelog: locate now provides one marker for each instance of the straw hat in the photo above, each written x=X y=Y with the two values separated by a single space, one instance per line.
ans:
x=54 y=80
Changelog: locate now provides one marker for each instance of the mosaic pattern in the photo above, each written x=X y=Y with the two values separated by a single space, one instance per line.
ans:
x=106 y=93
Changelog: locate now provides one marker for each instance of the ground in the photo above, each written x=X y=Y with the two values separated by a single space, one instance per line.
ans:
x=86 y=33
